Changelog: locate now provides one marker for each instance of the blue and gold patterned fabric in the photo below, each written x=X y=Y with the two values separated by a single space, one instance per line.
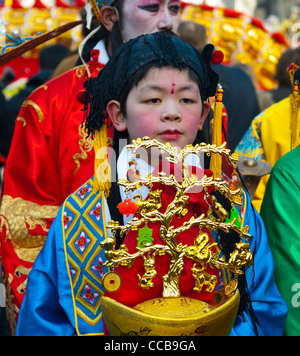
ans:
x=74 y=241
x=83 y=217
x=102 y=3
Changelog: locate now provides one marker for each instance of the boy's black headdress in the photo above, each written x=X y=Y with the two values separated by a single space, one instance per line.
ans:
x=158 y=48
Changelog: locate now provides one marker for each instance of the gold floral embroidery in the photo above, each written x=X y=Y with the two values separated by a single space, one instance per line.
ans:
x=22 y=120
x=16 y=213
x=36 y=108
x=43 y=86
x=21 y=270
x=80 y=70
x=12 y=310
x=109 y=142
x=85 y=145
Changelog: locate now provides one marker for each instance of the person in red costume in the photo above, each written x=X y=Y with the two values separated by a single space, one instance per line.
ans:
x=50 y=154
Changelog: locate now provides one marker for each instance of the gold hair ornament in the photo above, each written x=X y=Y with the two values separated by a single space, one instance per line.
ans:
x=96 y=9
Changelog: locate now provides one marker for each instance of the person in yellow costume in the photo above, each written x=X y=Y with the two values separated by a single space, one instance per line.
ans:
x=273 y=133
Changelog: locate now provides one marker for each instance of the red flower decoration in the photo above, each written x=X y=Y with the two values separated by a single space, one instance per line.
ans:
x=258 y=23
x=206 y=7
x=127 y=207
x=279 y=37
x=217 y=57
x=231 y=13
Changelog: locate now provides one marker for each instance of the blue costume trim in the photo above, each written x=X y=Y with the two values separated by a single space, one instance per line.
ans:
x=84 y=227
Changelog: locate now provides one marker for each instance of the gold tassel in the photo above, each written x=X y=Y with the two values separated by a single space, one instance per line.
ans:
x=102 y=178
x=294 y=107
x=216 y=159
x=295 y=122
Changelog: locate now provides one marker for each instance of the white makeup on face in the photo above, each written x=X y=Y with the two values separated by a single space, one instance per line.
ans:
x=148 y=16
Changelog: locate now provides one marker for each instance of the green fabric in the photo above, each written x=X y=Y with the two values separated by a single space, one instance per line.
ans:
x=281 y=214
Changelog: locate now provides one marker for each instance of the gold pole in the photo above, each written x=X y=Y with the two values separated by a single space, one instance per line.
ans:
x=216 y=159
x=295 y=122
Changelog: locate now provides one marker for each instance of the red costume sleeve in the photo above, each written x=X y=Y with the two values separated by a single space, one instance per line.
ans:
x=50 y=157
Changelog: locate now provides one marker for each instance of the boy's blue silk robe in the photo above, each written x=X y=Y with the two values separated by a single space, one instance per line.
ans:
x=64 y=287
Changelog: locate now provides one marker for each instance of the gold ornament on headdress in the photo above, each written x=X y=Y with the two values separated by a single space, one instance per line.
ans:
x=96 y=9
x=294 y=108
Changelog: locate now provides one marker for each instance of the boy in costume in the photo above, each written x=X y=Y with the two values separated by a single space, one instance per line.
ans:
x=51 y=155
x=160 y=93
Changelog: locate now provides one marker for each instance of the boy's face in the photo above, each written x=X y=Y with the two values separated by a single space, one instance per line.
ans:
x=165 y=105
x=140 y=17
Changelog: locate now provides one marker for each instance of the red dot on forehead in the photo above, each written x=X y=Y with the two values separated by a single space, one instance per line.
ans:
x=173 y=88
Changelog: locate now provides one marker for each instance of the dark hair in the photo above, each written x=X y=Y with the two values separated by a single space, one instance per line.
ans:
x=193 y=33
x=116 y=36
x=141 y=73
x=51 y=56
x=125 y=68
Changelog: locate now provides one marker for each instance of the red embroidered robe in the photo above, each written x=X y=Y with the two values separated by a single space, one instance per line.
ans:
x=50 y=157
